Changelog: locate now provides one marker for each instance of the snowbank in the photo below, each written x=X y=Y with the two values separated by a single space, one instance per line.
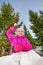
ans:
x=22 y=58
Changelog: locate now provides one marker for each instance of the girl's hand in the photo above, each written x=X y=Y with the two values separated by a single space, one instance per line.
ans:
x=15 y=24
x=11 y=52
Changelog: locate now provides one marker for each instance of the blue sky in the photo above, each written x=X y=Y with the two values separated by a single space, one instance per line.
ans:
x=23 y=7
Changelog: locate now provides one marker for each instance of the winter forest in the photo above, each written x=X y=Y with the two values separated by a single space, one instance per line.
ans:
x=8 y=16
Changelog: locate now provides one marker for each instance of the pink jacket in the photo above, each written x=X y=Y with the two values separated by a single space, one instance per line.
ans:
x=20 y=43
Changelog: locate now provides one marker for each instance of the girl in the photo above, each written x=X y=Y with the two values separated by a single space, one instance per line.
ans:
x=19 y=41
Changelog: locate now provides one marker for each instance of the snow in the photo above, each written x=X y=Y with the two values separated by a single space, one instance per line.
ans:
x=22 y=58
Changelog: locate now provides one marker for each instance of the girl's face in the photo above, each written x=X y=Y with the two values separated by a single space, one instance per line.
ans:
x=20 y=32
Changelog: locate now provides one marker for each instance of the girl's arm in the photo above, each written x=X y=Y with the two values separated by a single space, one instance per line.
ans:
x=9 y=33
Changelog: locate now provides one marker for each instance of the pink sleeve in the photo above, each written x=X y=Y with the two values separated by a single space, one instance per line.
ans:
x=9 y=33
x=29 y=44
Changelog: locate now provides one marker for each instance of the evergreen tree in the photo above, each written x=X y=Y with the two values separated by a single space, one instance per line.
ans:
x=28 y=35
x=7 y=18
x=37 y=25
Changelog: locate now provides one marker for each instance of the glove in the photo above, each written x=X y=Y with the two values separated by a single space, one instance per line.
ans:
x=15 y=24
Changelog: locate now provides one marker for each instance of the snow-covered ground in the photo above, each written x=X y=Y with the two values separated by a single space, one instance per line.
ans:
x=22 y=58
x=38 y=50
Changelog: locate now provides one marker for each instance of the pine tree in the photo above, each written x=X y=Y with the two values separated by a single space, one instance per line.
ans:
x=37 y=25
x=7 y=18
x=29 y=36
